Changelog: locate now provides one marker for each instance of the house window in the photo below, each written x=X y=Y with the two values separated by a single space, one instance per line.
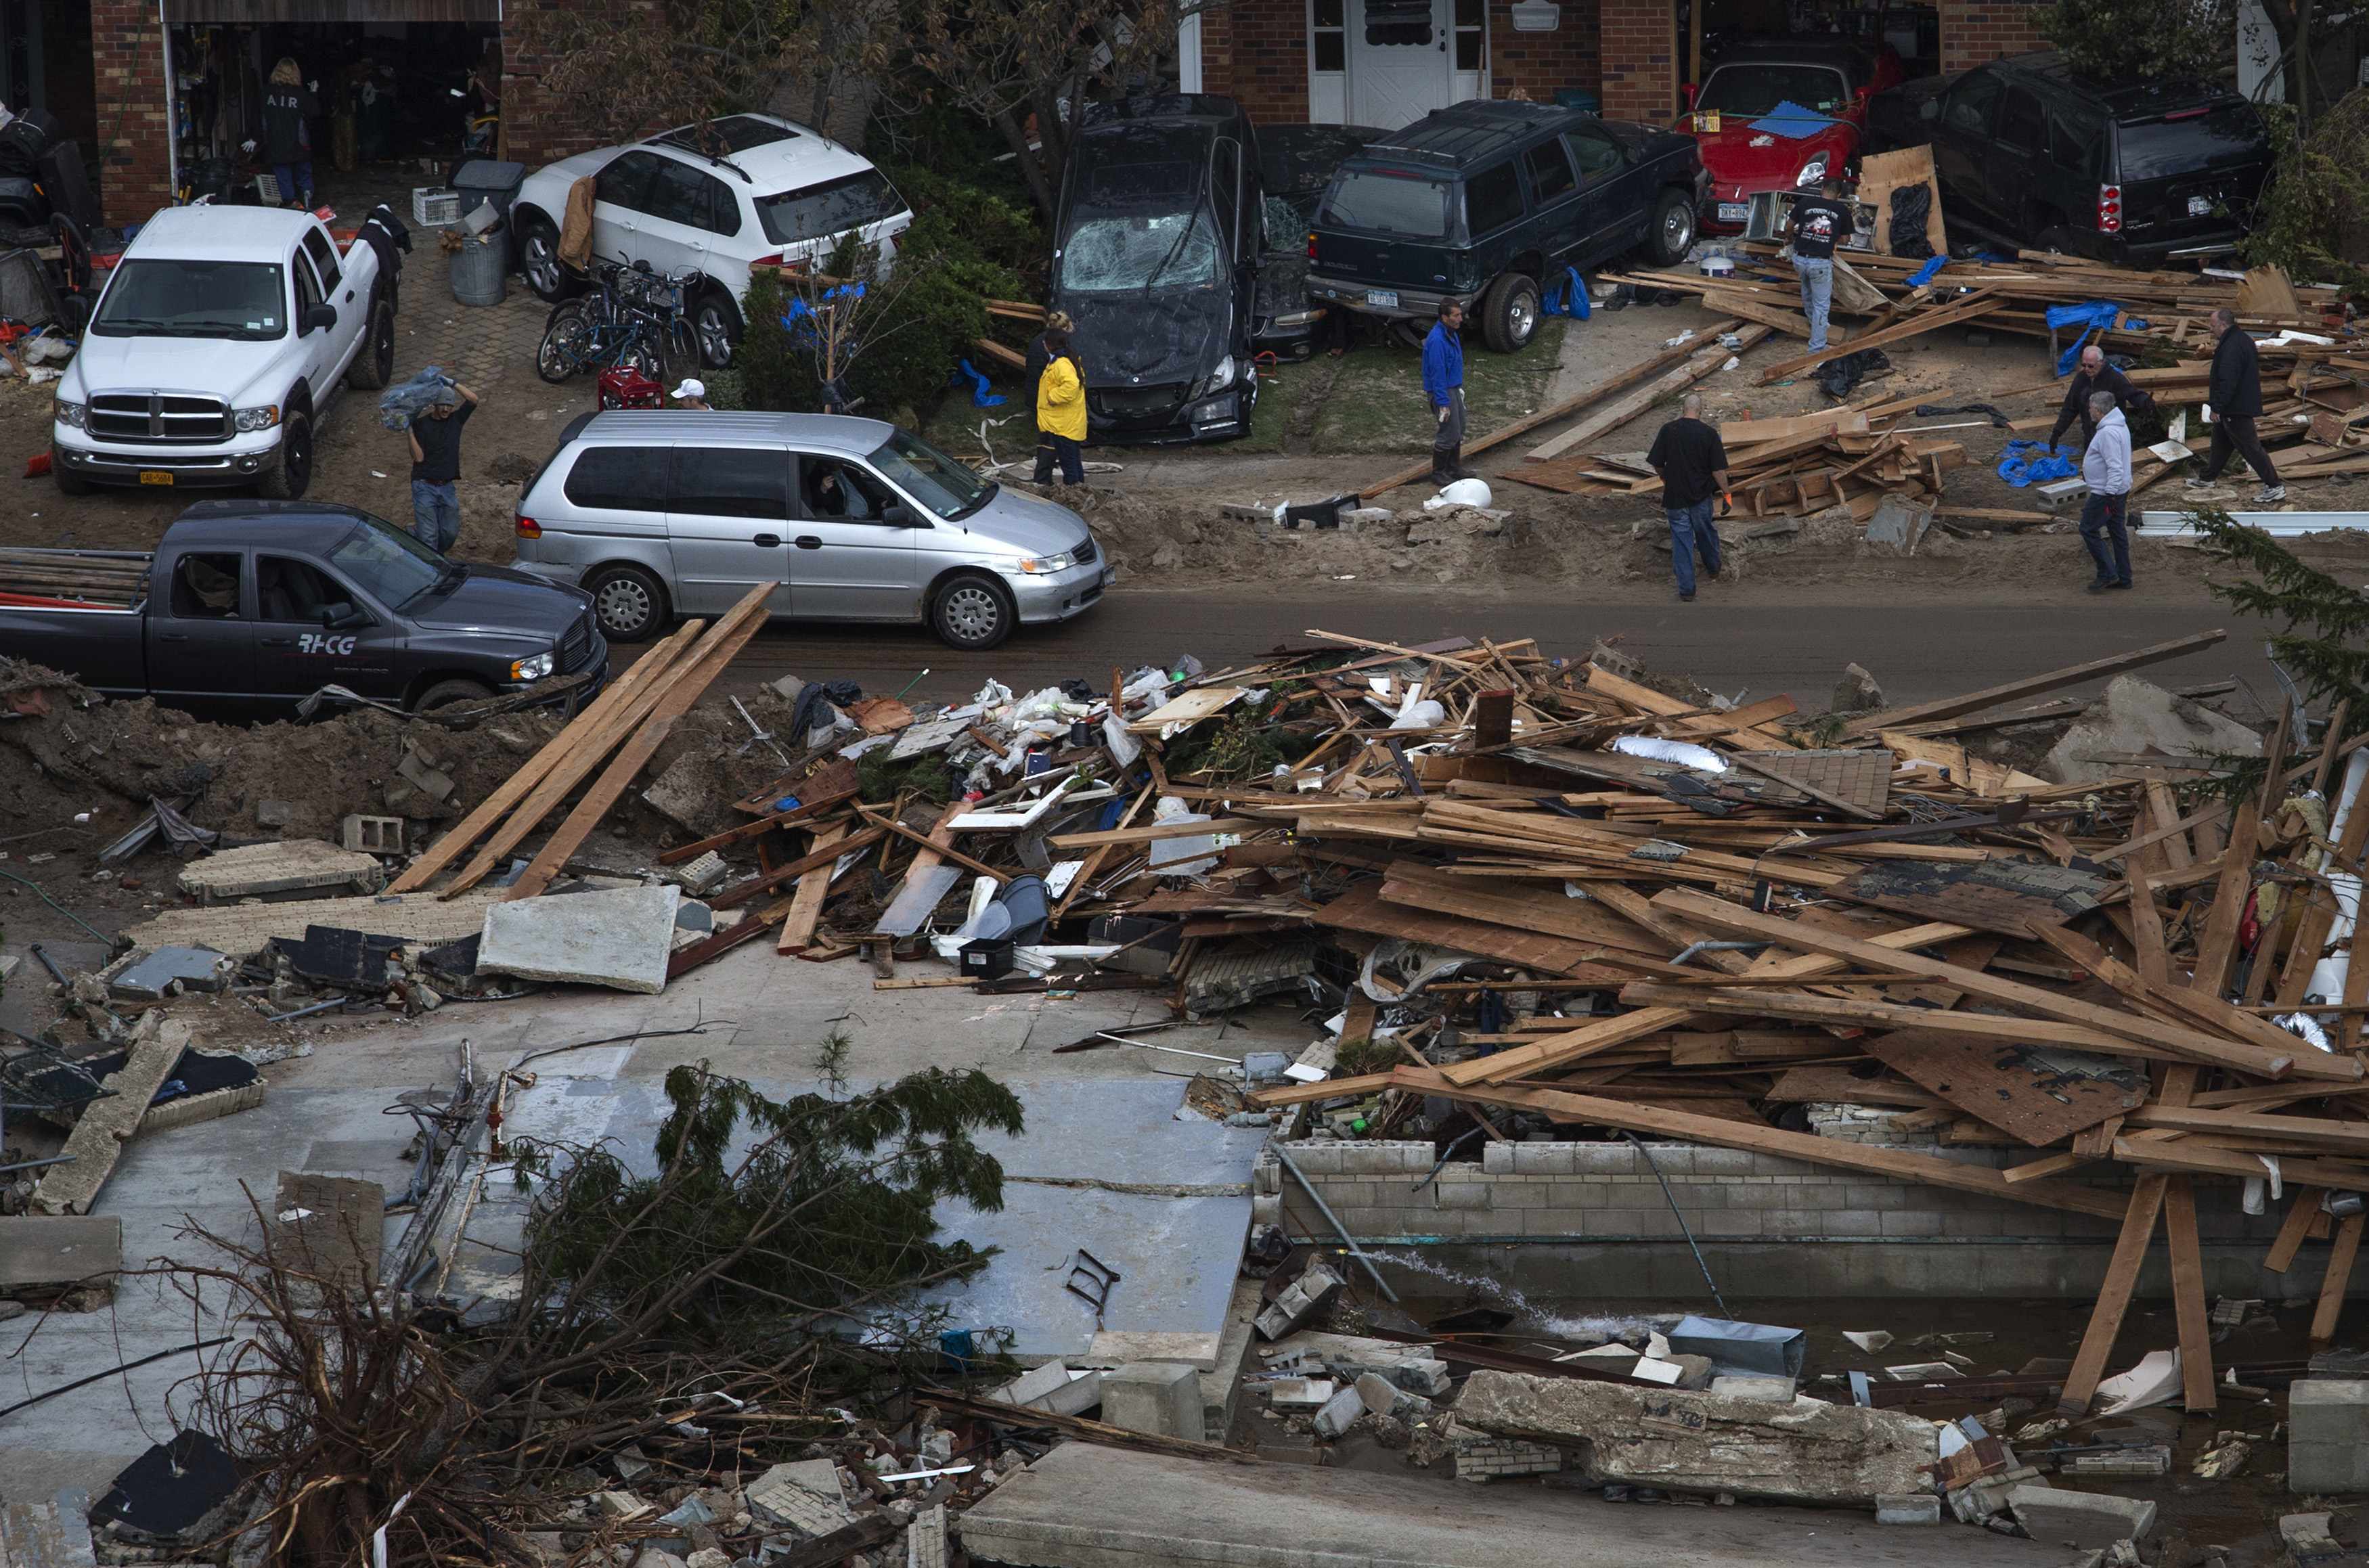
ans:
x=1471 y=28
x=1399 y=22
x=1329 y=31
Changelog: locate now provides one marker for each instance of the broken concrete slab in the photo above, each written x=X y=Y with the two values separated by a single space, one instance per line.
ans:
x=619 y=938
x=1054 y=1387
x=293 y=865
x=246 y=929
x=54 y=1533
x=1909 y=1508
x=1301 y=1395
x=101 y=1132
x=1856 y=692
x=1160 y=1397
x=2138 y=718
x=926 y=1542
x=45 y=1250
x=169 y=970
x=686 y=795
x=1298 y=1302
x=1118 y=1347
x=1085 y=1505
x=1703 y=1442
x=803 y=1495
x=2085 y=1519
x=2328 y=1436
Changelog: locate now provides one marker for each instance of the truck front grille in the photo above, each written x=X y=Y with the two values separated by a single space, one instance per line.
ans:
x=1085 y=552
x=575 y=647
x=158 y=417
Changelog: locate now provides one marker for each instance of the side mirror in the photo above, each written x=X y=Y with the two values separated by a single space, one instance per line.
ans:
x=901 y=515
x=317 y=318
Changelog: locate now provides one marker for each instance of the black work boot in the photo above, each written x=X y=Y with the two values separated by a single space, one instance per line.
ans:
x=1443 y=465
x=1456 y=463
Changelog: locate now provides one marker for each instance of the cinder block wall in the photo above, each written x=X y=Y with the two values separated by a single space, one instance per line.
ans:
x=1591 y=1217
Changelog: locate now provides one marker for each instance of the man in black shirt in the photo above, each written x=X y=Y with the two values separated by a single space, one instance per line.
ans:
x=1693 y=465
x=436 y=467
x=1821 y=222
x=2095 y=375
x=2235 y=395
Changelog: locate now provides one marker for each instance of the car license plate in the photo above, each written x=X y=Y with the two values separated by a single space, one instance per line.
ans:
x=1707 y=124
x=1388 y=298
x=2200 y=206
x=155 y=477
x=1735 y=212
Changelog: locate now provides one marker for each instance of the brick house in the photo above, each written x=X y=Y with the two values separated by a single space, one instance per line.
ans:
x=1360 y=61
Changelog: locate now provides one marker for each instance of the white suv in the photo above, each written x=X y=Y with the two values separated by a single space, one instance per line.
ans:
x=743 y=191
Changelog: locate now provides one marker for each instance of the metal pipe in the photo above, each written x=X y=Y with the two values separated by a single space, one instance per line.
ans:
x=1692 y=949
x=308 y=1011
x=37 y=1164
x=48 y=963
x=1684 y=1230
x=1339 y=1229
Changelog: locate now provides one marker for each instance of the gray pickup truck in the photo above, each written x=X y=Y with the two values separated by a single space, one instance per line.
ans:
x=248 y=607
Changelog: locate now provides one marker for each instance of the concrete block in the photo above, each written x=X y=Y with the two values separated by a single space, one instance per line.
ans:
x=2084 y=1519
x=1198 y=1351
x=1054 y=1387
x=372 y=835
x=1473 y=1195
x=2321 y=1468
x=1497 y=1159
x=618 y=938
x=2329 y=1410
x=1301 y=1394
x=1160 y=1397
x=291 y=866
x=621 y=1506
x=1542 y=1158
x=1603 y=1160
x=926 y=1542
x=1339 y=1412
x=1298 y=1300
x=703 y=874
x=1776 y=1390
x=1320 y=1158
x=804 y=1495
x=53 y=1533
x=1909 y=1508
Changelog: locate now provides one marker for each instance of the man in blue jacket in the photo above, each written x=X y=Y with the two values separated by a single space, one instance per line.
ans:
x=1442 y=383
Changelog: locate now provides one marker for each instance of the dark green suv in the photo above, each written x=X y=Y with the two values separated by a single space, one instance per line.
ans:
x=1485 y=202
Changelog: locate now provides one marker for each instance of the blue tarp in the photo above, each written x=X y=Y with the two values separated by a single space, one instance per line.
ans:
x=2036 y=463
x=980 y=396
x=404 y=401
x=1924 y=274
x=1567 y=295
x=2092 y=315
x=1792 y=121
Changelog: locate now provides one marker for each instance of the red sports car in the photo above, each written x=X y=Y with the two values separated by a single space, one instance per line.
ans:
x=1782 y=115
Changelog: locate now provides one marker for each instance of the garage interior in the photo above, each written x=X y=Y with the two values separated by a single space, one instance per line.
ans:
x=387 y=118
x=1914 y=32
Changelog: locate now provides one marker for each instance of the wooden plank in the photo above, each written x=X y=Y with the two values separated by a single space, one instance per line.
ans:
x=569 y=743
x=1619 y=382
x=806 y=903
x=2035 y=685
x=1955 y=313
x=2332 y=1285
x=2303 y=1205
x=2028 y=1102
x=2192 y=1043
x=1150 y=831
x=1646 y=700
x=2195 y=1331
x=931 y=845
x=1702 y=357
x=2218 y=947
x=781 y=876
x=1861 y=1013
x=2113 y=1296
x=2205 y=1157
x=1362 y=909
x=708 y=661
x=1093 y=865
x=804 y=809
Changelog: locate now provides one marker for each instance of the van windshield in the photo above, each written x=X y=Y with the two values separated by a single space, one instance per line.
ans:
x=940 y=483
x=2186 y=144
x=1389 y=202
x=392 y=566
x=245 y=300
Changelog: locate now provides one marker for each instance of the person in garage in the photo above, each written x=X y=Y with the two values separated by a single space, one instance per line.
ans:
x=289 y=107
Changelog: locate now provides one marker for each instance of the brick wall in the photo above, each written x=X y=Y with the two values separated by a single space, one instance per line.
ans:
x=1540 y=65
x=1975 y=31
x=1639 y=41
x=132 y=158
x=538 y=127
x=1267 y=60
x=1218 y=50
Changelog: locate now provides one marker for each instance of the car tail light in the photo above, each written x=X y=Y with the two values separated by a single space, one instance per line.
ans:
x=528 y=528
x=1312 y=245
x=2110 y=209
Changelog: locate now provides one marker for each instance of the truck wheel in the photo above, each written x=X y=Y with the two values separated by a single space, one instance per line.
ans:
x=1673 y=232
x=630 y=604
x=715 y=320
x=446 y=692
x=375 y=366
x=69 y=482
x=1509 y=312
x=539 y=261
x=286 y=479
x=972 y=612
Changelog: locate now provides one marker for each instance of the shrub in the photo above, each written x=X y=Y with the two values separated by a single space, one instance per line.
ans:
x=908 y=332
x=2309 y=220
x=955 y=218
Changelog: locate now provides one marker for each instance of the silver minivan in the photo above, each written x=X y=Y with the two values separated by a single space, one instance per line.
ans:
x=662 y=513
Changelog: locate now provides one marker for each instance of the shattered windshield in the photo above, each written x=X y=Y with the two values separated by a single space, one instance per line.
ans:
x=1140 y=250
x=940 y=483
x=245 y=300
x=1757 y=89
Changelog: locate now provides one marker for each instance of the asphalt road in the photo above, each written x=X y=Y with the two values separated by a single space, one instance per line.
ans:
x=1916 y=652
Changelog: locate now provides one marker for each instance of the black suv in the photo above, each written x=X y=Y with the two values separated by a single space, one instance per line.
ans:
x=1156 y=255
x=2134 y=175
x=1485 y=201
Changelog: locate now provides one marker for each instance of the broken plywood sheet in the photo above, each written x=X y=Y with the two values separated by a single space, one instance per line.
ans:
x=1183 y=712
x=1833 y=1083
x=1857 y=780
x=1548 y=910
x=329 y=1227
x=1882 y=174
x=2033 y=1094
x=1363 y=908
x=2004 y=896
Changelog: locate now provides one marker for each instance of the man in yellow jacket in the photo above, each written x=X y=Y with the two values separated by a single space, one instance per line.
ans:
x=1061 y=406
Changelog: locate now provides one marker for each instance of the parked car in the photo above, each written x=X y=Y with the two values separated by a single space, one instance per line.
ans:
x=741 y=192
x=1296 y=162
x=252 y=606
x=2037 y=156
x=1484 y=201
x=1156 y=249
x=661 y=514
x=1748 y=148
x=221 y=334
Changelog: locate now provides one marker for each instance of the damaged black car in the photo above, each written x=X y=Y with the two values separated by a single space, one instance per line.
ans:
x=1155 y=257
x=1296 y=162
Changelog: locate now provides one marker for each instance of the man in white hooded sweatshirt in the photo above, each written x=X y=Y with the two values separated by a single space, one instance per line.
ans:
x=2106 y=468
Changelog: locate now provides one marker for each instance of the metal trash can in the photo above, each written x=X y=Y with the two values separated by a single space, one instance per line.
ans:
x=480 y=272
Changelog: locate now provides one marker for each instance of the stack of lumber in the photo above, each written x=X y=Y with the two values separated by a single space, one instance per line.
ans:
x=77 y=578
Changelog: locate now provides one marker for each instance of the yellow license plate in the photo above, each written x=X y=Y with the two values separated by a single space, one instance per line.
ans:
x=155 y=477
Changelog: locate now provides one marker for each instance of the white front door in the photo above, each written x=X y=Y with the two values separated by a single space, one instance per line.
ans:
x=1400 y=59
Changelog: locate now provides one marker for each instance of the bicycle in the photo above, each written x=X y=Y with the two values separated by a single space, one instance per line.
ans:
x=632 y=318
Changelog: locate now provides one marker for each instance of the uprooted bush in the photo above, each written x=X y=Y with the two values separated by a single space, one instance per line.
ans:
x=901 y=340
x=2314 y=216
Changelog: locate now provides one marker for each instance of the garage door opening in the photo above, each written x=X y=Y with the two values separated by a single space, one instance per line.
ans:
x=392 y=106
x=1910 y=29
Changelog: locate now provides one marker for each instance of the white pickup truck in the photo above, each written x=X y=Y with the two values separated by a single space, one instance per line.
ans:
x=221 y=335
